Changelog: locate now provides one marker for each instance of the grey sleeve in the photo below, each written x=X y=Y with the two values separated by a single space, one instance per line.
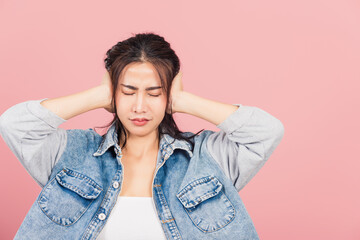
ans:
x=246 y=140
x=31 y=132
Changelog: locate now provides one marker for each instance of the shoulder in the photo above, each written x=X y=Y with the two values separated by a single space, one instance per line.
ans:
x=82 y=137
x=82 y=133
x=200 y=138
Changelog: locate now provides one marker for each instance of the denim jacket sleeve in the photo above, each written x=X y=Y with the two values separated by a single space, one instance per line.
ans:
x=31 y=132
x=246 y=140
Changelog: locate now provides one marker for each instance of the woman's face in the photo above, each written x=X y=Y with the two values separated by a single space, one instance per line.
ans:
x=139 y=95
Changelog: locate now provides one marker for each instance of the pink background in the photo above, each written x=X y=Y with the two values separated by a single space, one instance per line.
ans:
x=298 y=60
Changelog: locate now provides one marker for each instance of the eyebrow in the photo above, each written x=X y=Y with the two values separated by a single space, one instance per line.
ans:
x=135 y=88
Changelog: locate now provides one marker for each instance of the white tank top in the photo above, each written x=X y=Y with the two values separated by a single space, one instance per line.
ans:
x=132 y=218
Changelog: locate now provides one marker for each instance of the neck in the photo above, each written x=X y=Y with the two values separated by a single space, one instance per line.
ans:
x=141 y=146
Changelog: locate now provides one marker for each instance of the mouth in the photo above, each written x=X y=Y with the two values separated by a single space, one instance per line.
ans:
x=139 y=121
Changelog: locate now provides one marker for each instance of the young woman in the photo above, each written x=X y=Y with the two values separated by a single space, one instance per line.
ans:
x=144 y=178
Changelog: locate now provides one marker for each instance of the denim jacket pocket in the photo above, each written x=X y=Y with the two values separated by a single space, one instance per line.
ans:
x=206 y=204
x=67 y=196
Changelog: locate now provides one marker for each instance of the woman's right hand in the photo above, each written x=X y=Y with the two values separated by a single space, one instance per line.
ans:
x=106 y=82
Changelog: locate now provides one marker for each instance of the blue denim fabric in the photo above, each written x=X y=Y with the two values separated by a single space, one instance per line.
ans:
x=195 y=191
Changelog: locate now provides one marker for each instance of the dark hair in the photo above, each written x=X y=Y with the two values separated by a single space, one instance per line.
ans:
x=151 y=48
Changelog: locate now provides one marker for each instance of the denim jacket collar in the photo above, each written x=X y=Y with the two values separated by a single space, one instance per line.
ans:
x=167 y=144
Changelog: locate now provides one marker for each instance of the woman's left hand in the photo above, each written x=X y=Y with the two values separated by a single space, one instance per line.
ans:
x=176 y=90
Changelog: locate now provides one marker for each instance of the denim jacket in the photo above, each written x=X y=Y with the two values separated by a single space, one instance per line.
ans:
x=195 y=191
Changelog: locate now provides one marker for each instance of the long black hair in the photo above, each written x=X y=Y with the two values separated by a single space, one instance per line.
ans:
x=151 y=48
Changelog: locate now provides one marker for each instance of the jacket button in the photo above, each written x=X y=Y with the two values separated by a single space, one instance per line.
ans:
x=102 y=216
x=116 y=184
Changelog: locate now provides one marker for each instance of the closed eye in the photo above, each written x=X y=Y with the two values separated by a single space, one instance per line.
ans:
x=149 y=94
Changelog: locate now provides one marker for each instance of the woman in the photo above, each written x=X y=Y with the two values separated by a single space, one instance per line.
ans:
x=144 y=178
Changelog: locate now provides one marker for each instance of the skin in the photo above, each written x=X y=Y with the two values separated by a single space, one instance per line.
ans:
x=142 y=141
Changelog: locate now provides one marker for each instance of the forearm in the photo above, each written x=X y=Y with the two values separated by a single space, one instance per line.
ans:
x=72 y=105
x=212 y=111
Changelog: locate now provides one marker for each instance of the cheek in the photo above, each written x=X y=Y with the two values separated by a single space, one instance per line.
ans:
x=158 y=107
x=122 y=106
x=123 y=101
x=162 y=103
x=156 y=102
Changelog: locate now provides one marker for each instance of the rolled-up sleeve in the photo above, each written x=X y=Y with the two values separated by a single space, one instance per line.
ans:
x=31 y=132
x=244 y=143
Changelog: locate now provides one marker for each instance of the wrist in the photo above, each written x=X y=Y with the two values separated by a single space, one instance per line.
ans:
x=101 y=96
x=182 y=101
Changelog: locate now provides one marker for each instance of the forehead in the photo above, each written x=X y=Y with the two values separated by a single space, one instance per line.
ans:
x=139 y=74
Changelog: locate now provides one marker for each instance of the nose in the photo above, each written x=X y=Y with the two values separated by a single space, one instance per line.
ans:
x=140 y=104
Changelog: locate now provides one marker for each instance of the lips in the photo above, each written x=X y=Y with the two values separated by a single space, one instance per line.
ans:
x=139 y=119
